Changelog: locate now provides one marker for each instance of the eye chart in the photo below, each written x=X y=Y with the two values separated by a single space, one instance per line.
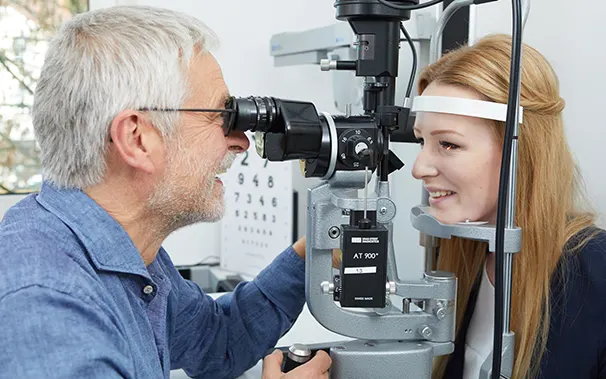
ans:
x=258 y=221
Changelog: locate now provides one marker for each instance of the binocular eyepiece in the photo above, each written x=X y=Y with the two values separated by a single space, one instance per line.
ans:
x=289 y=129
x=250 y=113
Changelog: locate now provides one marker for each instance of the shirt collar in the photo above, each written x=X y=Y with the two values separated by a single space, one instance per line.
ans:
x=108 y=245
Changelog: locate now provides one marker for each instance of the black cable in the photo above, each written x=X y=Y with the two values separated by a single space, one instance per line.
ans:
x=414 y=60
x=410 y=7
x=510 y=126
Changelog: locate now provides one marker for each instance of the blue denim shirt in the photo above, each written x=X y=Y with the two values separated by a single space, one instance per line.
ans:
x=77 y=301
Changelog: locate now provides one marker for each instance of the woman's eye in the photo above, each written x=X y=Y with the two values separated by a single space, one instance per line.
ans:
x=420 y=141
x=448 y=145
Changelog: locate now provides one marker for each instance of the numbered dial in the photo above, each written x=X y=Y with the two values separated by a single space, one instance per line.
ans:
x=357 y=149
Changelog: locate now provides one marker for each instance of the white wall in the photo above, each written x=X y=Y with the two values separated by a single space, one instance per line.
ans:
x=571 y=35
x=245 y=28
x=558 y=29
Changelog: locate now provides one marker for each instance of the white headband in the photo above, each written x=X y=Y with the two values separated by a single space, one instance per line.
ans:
x=463 y=107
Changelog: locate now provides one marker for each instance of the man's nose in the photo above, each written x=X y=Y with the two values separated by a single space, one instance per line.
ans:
x=237 y=141
x=424 y=166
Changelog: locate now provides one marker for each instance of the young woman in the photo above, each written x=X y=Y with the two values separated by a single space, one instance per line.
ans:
x=559 y=278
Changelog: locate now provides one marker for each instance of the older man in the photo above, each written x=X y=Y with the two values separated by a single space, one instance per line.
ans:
x=86 y=290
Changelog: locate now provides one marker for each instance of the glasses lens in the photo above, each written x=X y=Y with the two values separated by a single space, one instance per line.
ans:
x=229 y=117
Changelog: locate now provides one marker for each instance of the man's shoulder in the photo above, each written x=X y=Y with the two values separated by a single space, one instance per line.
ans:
x=38 y=249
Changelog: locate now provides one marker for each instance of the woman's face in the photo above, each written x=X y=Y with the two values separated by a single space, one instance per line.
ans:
x=459 y=162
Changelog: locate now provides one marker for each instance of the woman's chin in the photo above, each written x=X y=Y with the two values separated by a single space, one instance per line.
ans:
x=441 y=216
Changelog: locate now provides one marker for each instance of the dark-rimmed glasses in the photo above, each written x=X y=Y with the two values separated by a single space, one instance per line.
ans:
x=226 y=122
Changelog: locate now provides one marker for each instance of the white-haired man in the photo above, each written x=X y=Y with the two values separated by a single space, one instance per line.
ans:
x=86 y=290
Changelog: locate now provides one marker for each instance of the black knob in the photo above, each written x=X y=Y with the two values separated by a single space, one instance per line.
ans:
x=355 y=146
x=364 y=224
x=297 y=355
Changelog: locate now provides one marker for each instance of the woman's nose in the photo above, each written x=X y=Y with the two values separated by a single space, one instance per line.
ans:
x=424 y=166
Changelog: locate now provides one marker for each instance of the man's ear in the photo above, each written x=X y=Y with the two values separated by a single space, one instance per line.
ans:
x=135 y=140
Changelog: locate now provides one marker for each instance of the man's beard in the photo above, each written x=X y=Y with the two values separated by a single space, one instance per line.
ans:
x=179 y=203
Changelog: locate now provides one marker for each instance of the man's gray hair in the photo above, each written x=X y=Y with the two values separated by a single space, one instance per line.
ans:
x=100 y=63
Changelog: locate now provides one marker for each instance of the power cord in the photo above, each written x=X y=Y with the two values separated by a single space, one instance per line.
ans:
x=414 y=60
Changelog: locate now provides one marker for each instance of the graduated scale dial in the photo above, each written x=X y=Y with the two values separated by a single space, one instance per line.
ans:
x=357 y=148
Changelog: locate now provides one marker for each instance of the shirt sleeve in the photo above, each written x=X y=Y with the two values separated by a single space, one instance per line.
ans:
x=46 y=333
x=222 y=338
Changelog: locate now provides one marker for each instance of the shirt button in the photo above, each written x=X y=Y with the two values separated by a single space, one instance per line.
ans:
x=148 y=289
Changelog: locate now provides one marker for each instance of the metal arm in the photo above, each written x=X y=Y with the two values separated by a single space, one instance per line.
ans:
x=436 y=39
